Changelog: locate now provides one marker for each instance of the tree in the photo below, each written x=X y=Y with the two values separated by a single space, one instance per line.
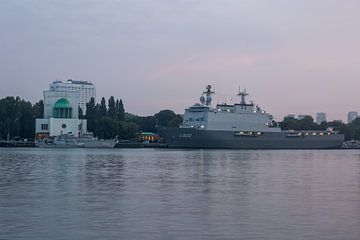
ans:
x=164 y=117
x=91 y=115
x=120 y=110
x=107 y=128
x=39 y=109
x=102 y=108
x=26 y=120
x=290 y=123
x=112 y=111
x=128 y=130
x=352 y=130
x=176 y=121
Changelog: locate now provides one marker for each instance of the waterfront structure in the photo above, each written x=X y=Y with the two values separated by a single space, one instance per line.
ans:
x=148 y=137
x=320 y=117
x=352 y=116
x=60 y=115
x=240 y=126
x=86 y=90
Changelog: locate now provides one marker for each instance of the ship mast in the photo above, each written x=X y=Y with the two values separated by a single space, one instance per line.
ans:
x=242 y=95
x=208 y=94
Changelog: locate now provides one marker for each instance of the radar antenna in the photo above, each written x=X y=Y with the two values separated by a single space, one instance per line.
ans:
x=208 y=94
x=242 y=95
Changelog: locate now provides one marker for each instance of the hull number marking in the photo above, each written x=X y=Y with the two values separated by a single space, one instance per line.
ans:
x=185 y=135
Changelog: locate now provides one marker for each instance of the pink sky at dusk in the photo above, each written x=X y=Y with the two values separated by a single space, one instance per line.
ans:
x=298 y=57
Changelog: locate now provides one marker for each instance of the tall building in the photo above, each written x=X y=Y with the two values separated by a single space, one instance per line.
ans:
x=352 y=116
x=86 y=89
x=320 y=117
x=60 y=115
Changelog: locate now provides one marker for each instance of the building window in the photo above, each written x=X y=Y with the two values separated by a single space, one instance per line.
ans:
x=63 y=126
x=44 y=127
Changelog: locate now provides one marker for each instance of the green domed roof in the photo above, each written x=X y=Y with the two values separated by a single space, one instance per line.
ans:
x=62 y=103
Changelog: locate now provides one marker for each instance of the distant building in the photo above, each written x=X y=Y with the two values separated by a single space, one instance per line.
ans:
x=60 y=115
x=352 y=116
x=320 y=117
x=290 y=116
x=302 y=116
x=86 y=90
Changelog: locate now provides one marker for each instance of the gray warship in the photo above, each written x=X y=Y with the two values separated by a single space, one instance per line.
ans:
x=240 y=126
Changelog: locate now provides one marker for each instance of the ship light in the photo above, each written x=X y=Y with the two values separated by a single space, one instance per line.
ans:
x=263 y=112
x=202 y=126
x=314 y=134
x=219 y=110
x=254 y=111
x=228 y=110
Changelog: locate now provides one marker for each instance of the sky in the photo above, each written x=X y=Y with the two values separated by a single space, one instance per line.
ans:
x=298 y=57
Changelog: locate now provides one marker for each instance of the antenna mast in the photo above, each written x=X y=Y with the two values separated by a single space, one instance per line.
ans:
x=242 y=95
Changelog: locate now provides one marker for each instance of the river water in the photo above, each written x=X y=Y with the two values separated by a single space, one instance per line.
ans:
x=179 y=194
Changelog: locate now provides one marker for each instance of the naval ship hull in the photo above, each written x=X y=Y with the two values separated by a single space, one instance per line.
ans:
x=194 y=138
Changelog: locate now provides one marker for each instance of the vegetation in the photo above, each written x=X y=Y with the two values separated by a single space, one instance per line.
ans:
x=109 y=120
x=17 y=117
x=351 y=130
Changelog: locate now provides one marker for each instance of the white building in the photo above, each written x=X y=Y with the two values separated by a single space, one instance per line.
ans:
x=352 y=116
x=320 y=117
x=60 y=115
x=86 y=89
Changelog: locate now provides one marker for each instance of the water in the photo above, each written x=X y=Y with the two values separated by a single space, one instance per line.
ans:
x=177 y=194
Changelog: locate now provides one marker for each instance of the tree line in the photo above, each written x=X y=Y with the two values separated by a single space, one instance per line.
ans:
x=17 y=117
x=350 y=130
x=108 y=119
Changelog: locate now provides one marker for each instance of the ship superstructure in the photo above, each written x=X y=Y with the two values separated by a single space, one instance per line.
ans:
x=240 y=116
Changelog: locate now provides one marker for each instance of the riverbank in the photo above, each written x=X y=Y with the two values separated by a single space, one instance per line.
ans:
x=17 y=144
